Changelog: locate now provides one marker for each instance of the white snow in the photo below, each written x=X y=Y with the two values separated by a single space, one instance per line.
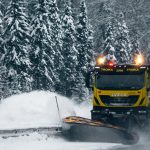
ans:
x=41 y=142
x=35 y=109
x=83 y=110
x=38 y=109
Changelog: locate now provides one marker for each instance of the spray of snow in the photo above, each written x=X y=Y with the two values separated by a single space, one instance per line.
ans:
x=35 y=109
x=83 y=110
x=39 y=109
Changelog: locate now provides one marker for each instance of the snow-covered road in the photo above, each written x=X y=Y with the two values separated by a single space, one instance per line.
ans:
x=42 y=142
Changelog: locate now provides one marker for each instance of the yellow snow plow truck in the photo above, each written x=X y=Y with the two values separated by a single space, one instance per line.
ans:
x=120 y=92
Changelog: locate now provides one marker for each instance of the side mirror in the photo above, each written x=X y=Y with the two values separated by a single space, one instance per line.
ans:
x=89 y=80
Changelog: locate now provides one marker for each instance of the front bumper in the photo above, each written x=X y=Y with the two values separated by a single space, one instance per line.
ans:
x=119 y=110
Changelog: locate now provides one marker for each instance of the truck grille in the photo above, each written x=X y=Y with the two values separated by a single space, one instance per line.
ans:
x=119 y=101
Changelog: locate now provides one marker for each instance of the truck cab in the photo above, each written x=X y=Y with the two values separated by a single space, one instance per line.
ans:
x=120 y=92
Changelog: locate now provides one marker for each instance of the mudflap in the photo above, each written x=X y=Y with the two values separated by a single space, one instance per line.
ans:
x=85 y=130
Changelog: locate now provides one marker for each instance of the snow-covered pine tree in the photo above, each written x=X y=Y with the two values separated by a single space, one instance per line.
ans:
x=109 y=49
x=15 y=46
x=3 y=83
x=1 y=30
x=42 y=54
x=1 y=21
x=69 y=53
x=90 y=52
x=122 y=43
x=109 y=36
x=135 y=44
x=84 y=48
x=100 y=13
x=4 y=88
x=31 y=8
x=56 y=40
x=82 y=39
x=135 y=48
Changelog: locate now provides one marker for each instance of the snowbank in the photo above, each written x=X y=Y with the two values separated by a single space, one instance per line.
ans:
x=35 y=109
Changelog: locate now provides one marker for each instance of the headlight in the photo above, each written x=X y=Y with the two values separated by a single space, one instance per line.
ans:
x=139 y=60
x=101 y=60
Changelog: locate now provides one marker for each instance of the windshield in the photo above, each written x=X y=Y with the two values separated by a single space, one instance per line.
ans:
x=122 y=82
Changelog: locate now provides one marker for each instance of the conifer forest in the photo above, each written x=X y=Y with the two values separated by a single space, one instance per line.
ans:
x=51 y=44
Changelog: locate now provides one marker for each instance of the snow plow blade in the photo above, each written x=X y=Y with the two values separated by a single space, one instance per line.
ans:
x=85 y=130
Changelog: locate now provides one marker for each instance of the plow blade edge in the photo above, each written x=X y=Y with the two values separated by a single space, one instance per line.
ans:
x=86 y=130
